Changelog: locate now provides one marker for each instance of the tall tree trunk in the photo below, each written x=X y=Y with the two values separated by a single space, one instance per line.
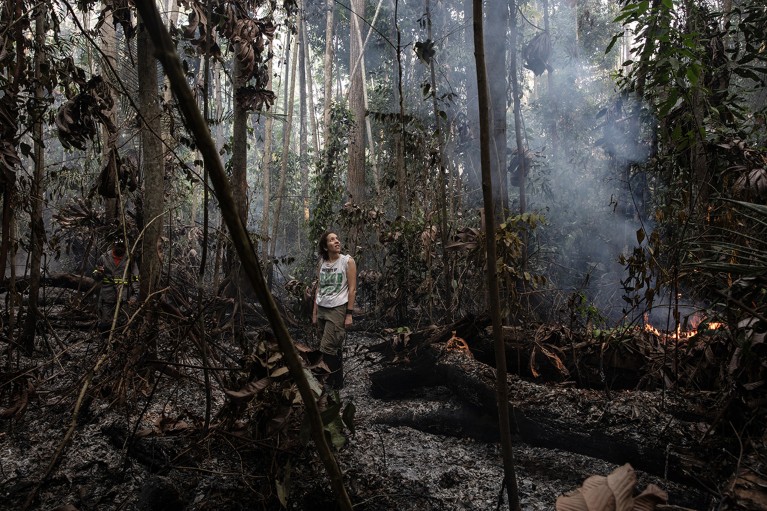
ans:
x=497 y=26
x=37 y=234
x=521 y=152
x=442 y=192
x=266 y=165
x=501 y=388
x=472 y=168
x=402 y=202
x=291 y=89
x=239 y=166
x=328 y=69
x=310 y=92
x=109 y=67
x=153 y=165
x=553 y=100
x=152 y=181
x=368 y=126
x=355 y=183
x=303 y=160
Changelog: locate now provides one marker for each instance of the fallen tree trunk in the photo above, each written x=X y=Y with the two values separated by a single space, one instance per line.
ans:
x=408 y=345
x=62 y=280
x=655 y=433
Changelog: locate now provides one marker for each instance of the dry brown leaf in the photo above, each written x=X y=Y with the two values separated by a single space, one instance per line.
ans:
x=611 y=493
x=249 y=390
x=532 y=362
x=556 y=361
x=650 y=498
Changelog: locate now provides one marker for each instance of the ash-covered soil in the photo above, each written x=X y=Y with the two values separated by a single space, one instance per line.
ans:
x=148 y=452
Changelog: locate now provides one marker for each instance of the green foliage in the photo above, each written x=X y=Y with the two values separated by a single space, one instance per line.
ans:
x=509 y=239
x=328 y=185
x=584 y=312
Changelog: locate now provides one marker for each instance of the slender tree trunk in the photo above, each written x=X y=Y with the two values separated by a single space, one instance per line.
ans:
x=442 y=192
x=328 y=68
x=310 y=92
x=473 y=171
x=266 y=165
x=521 y=152
x=368 y=125
x=402 y=202
x=497 y=26
x=37 y=234
x=355 y=183
x=110 y=65
x=291 y=87
x=502 y=392
x=553 y=100
x=303 y=160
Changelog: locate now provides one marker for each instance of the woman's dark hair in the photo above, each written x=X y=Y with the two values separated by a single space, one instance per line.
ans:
x=323 y=244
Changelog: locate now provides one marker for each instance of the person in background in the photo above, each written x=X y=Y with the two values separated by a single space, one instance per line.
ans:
x=115 y=283
x=334 y=304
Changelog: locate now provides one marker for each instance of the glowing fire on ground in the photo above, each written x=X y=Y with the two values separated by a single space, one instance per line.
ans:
x=456 y=343
x=682 y=335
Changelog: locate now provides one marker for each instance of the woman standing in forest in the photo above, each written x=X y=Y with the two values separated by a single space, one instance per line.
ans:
x=334 y=303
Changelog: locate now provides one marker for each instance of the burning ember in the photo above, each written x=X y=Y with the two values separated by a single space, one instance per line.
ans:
x=682 y=335
x=455 y=343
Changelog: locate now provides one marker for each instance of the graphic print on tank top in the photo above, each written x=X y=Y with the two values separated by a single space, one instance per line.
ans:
x=333 y=288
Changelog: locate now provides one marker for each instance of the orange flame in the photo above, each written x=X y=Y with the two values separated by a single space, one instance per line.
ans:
x=679 y=334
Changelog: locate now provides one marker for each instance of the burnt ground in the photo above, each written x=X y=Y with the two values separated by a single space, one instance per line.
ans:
x=140 y=444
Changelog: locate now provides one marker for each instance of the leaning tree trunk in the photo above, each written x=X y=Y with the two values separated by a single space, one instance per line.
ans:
x=36 y=192
x=244 y=246
x=502 y=392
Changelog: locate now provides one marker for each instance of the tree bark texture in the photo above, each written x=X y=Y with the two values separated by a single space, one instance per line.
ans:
x=153 y=165
x=355 y=184
x=497 y=26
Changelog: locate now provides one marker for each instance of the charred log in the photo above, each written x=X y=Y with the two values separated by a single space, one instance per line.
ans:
x=409 y=345
x=562 y=417
x=61 y=280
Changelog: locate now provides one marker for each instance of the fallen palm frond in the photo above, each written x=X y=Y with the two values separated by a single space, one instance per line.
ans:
x=614 y=492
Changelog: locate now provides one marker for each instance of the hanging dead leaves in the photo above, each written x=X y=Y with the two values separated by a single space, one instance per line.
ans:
x=78 y=118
